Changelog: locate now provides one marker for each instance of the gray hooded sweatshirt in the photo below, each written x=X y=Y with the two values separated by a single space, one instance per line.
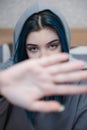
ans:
x=15 y=118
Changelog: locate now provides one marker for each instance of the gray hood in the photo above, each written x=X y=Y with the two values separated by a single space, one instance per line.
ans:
x=36 y=7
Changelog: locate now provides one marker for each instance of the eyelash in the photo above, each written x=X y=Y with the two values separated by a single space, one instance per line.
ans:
x=32 y=49
x=35 y=49
x=53 y=46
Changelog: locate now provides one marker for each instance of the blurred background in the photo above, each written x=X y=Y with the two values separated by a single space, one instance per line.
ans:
x=75 y=12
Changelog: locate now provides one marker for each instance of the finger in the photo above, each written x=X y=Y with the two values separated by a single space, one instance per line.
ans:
x=65 y=67
x=71 y=77
x=54 y=59
x=46 y=106
x=67 y=90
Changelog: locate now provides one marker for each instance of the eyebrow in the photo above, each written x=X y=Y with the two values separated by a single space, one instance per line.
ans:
x=46 y=43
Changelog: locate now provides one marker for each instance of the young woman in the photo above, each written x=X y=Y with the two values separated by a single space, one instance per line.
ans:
x=42 y=32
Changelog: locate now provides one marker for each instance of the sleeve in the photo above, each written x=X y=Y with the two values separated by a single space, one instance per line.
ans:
x=81 y=123
x=81 y=114
x=3 y=111
x=4 y=104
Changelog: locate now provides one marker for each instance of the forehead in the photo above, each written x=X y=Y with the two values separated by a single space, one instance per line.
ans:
x=42 y=36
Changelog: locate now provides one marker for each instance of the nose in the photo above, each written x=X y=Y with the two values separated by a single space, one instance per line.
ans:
x=43 y=53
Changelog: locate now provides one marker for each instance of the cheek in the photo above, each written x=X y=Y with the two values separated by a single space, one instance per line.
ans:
x=58 y=50
x=32 y=55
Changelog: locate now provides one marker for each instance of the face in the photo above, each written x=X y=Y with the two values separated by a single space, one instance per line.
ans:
x=42 y=43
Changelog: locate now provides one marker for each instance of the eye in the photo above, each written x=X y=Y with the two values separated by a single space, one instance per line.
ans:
x=32 y=49
x=53 y=46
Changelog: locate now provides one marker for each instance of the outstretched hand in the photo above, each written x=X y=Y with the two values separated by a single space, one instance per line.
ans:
x=26 y=83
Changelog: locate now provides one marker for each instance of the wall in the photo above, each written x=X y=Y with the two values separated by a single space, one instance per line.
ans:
x=74 y=11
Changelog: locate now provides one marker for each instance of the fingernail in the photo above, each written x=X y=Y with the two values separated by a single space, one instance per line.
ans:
x=62 y=108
